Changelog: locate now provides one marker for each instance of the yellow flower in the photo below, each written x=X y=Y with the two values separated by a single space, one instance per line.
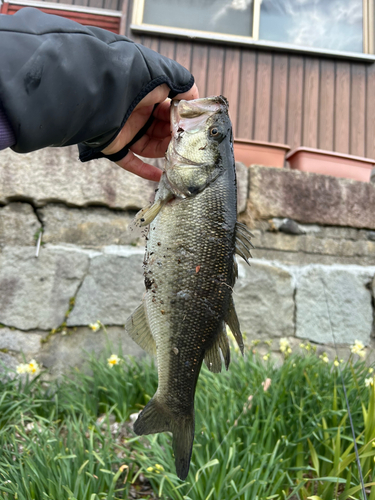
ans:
x=113 y=360
x=324 y=357
x=336 y=362
x=284 y=345
x=268 y=342
x=266 y=356
x=150 y=469
x=302 y=345
x=369 y=381
x=370 y=370
x=95 y=326
x=358 y=348
x=159 y=467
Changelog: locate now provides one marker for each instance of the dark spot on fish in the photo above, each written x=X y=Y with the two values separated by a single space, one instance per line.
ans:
x=180 y=130
x=162 y=302
x=203 y=147
x=179 y=261
x=159 y=243
x=148 y=283
x=142 y=219
x=151 y=253
x=156 y=190
x=162 y=311
x=153 y=299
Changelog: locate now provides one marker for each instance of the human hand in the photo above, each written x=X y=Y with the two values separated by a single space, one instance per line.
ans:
x=154 y=143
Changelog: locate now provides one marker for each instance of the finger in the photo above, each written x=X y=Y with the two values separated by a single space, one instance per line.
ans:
x=150 y=147
x=191 y=94
x=135 y=165
x=159 y=94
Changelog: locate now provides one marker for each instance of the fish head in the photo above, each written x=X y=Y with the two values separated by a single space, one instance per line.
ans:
x=201 y=144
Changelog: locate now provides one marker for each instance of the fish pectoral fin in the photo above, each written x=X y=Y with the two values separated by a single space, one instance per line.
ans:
x=145 y=216
x=232 y=321
x=148 y=214
x=156 y=417
x=243 y=242
x=139 y=330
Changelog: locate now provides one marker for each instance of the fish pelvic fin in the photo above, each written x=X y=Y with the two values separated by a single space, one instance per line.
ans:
x=139 y=330
x=243 y=242
x=156 y=417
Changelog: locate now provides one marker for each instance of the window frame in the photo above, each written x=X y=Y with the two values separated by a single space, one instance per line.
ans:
x=368 y=32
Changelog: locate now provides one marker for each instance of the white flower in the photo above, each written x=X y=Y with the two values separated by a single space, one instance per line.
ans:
x=95 y=326
x=113 y=360
x=32 y=368
x=358 y=348
x=369 y=381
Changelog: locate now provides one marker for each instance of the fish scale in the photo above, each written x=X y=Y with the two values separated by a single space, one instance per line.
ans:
x=189 y=268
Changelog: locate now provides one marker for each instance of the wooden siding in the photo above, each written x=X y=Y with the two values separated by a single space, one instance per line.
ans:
x=108 y=22
x=285 y=98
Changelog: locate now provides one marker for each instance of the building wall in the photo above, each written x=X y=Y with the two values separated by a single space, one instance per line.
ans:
x=290 y=99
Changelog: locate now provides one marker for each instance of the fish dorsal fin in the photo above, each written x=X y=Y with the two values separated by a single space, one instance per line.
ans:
x=212 y=355
x=243 y=242
x=139 y=330
x=232 y=321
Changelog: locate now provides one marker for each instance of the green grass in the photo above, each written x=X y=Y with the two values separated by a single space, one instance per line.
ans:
x=291 y=441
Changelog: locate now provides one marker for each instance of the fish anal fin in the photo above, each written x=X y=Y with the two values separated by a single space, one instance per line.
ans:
x=139 y=330
x=232 y=321
x=156 y=417
x=212 y=357
x=224 y=346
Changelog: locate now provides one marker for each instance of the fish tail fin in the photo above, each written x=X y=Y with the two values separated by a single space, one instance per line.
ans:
x=156 y=417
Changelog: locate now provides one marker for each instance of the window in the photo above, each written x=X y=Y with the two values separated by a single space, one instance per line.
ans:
x=325 y=25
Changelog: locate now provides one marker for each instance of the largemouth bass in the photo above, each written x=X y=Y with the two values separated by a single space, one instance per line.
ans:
x=190 y=268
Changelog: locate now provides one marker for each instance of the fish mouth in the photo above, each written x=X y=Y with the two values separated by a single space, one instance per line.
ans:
x=190 y=116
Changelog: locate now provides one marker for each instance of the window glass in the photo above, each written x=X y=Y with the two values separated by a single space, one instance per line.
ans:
x=220 y=16
x=328 y=24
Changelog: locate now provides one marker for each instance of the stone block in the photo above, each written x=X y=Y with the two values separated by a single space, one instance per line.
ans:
x=56 y=175
x=263 y=297
x=242 y=174
x=15 y=340
x=18 y=225
x=111 y=290
x=35 y=292
x=94 y=226
x=62 y=352
x=310 y=198
x=334 y=300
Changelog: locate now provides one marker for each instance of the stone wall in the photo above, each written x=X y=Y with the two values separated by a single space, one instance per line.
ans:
x=312 y=276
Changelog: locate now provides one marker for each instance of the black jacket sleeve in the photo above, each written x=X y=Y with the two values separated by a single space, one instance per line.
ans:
x=62 y=83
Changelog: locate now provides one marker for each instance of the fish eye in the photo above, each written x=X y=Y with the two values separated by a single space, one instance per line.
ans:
x=214 y=132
